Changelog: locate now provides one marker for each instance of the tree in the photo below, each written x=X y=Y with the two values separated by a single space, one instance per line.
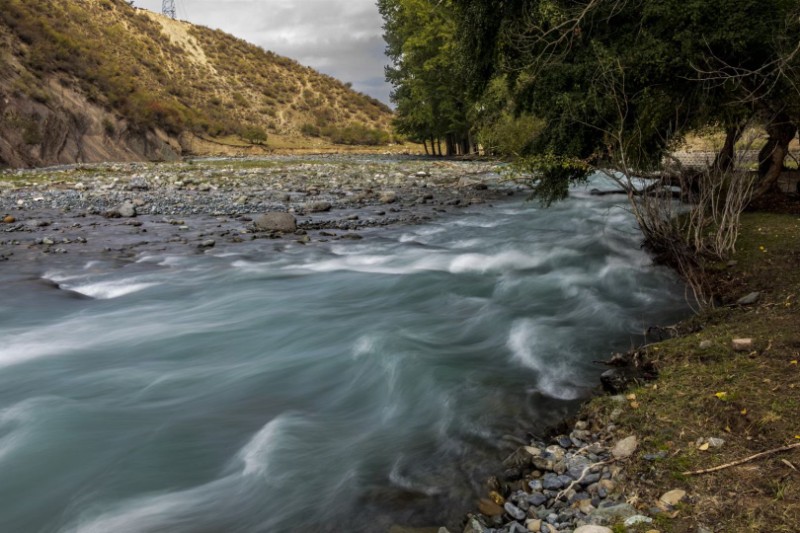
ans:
x=619 y=82
x=431 y=103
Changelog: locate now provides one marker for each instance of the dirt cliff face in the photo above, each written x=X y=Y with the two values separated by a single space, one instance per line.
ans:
x=99 y=80
x=70 y=129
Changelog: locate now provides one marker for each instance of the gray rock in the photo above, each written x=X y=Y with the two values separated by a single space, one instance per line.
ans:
x=209 y=243
x=552 y=482
x=514 y=511
x=706 y=344
x=537 y=498
x=283 y=222
x=750 y=299
x=474 y=526
x=317 y=207
x=535 y=485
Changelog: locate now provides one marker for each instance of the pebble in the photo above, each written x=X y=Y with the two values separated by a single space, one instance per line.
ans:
x=8 y=219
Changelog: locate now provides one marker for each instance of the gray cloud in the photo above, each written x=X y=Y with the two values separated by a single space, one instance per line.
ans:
x=341 y=38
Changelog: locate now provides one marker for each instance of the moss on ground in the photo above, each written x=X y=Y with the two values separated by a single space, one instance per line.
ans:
x=750 y=399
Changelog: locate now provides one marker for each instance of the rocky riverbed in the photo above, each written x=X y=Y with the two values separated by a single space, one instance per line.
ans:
x=573 y=483
x=118 y=211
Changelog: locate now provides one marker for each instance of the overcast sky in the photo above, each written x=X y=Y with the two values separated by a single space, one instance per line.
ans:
x=338 y=37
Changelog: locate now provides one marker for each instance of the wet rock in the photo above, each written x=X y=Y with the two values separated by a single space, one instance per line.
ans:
x=8 y=219
x=209 y=243
x=277 y=221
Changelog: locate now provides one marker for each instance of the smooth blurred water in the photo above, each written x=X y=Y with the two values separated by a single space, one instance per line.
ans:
x=331 y=387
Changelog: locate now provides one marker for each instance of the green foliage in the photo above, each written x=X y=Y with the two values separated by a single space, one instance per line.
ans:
x=552 y=175
x=355 y=134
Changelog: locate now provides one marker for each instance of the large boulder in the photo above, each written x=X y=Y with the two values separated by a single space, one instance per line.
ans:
x=283 y=222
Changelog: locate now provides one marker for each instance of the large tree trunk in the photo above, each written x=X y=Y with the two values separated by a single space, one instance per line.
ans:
x=425 y=144
x=781 y=131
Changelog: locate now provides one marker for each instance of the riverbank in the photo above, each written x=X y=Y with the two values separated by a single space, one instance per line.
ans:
x=117 y=211
x=727 y=396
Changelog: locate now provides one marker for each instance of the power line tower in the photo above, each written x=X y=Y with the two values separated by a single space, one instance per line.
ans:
x=168 y=8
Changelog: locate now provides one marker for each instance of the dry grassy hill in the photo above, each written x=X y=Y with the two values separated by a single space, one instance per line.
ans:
x=91 y=80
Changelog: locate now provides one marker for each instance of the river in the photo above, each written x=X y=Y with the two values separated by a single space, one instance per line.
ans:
x=329 y=387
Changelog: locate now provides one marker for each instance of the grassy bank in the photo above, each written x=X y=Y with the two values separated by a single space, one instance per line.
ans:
x=750 y=398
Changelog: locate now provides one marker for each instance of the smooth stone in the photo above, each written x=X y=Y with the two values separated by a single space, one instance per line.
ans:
x=535 y=485
x=637 y=519
x=277 y=221
x=317 y=207
x=705 y=345
x=388 y=197
x=625 y=448
x=534 y=524
x=514 y=511
x=8 y=219
x=750 y=299
x=551 y=482
x=673 y=497
x=716 y=442
x=742 y=345
x=210 y=243
x=593 y=529
x=489 y=508
x=537 y=498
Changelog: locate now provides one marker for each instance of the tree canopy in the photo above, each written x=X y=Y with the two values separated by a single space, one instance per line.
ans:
x=616 y=82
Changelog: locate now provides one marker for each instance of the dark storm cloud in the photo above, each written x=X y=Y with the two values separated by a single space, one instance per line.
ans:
x=338 y=37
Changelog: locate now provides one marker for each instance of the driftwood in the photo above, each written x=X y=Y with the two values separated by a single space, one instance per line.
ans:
x=742 y=461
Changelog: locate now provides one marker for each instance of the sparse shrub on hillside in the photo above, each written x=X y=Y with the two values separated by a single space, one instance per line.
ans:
x=254 y=135
x=310 y=130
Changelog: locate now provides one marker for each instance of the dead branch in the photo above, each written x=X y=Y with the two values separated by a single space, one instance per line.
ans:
x=742 y=461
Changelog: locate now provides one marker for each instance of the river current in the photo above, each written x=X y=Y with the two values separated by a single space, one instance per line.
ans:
x=329 y=387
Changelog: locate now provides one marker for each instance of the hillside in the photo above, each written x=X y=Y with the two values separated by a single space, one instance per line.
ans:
x=95 y=80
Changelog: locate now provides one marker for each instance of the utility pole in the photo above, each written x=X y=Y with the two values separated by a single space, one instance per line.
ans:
x=168 y=8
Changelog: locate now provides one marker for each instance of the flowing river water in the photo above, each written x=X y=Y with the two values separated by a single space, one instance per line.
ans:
x=330 y=387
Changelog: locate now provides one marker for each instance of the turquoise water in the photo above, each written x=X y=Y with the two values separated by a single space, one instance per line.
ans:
x=330 y=387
